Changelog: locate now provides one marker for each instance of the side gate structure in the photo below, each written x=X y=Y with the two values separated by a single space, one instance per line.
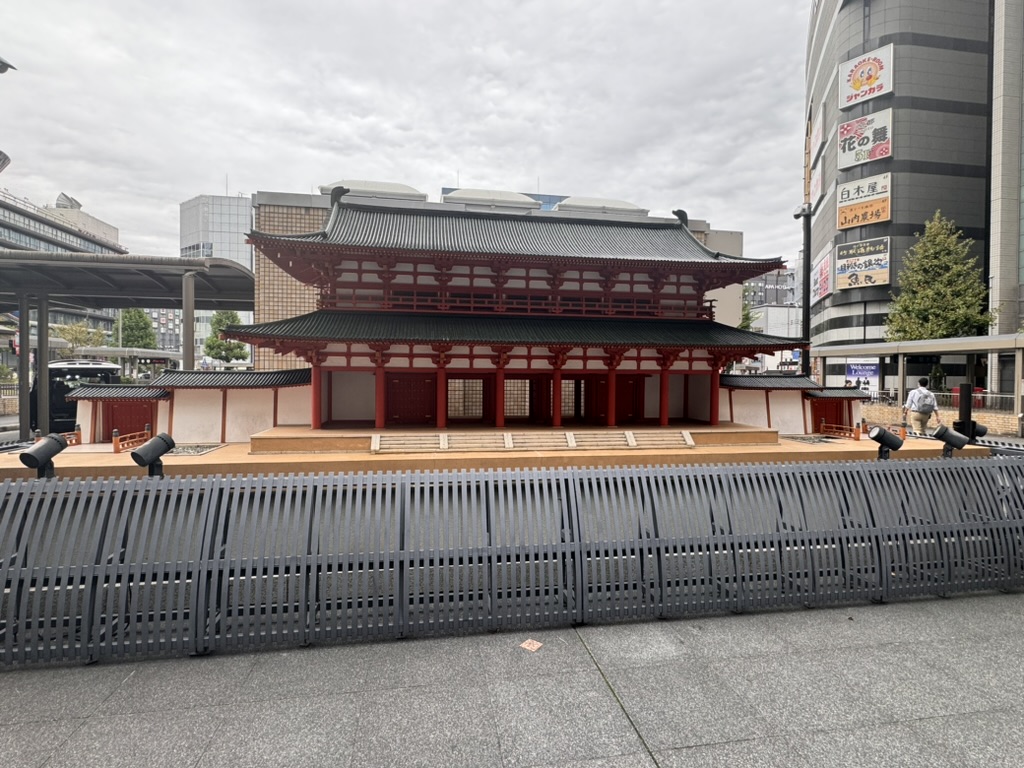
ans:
x=100 y=569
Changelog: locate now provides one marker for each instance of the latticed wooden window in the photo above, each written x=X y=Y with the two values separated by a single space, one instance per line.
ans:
x=465 y=399
x=517 y=399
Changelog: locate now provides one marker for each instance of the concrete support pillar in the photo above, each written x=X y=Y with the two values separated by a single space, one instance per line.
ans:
x=43 y=363
x=188 y=321
x=24 y=369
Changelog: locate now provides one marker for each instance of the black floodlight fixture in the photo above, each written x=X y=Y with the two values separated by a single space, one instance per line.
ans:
x=150 y=452
x=980 y=430
x=886 y=440
x=40 y=455
x=950 y=439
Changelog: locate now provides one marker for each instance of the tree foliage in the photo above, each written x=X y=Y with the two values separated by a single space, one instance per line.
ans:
x=220 y=349
x=79 y=335
x=748 y=317
x=942 y=295
x=136 y=329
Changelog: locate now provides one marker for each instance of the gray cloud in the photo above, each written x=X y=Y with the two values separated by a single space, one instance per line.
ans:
x=135 y=108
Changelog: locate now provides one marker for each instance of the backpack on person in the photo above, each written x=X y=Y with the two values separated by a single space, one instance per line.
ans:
x=926 y=403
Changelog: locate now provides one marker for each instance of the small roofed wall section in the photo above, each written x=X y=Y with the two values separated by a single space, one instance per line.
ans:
x=235 y=415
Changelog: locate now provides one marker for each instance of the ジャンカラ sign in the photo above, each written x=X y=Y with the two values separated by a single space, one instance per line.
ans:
x=866 y=77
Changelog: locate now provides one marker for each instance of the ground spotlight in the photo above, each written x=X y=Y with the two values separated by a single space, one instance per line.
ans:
x=886 y=440
x=40 y=456
x=951 y=439
x=148 y=454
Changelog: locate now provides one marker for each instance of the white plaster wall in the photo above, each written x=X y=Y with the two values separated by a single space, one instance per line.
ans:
x=84 y=418
x=353 y=396
x=249 y=411
x=700 y=397
x=293 y=405
x=787 y=412
x=163 y=416
x=197 y=415
x=748 y=407
x=652 y=396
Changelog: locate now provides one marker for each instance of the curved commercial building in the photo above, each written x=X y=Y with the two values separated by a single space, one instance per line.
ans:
x=912 y=106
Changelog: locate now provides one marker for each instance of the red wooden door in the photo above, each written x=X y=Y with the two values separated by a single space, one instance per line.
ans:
x=411 y=399
x=629 y=399
x=829 y=412
x=127 y=416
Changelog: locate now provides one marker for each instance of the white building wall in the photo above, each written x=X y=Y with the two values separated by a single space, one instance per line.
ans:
x=787 y=412
x=249 y=411
x=197 y=415
x=293 y=405
x=748 y=407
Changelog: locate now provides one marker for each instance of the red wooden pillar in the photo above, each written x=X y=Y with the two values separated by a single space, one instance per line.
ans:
x=441 y=359
x=663 y=398
x=499 y=397
x=612 y=360
x=380 y=388
x=611 y=397
x=715 y=384
x=556 y=404
x=442 y=398
x=315 y=420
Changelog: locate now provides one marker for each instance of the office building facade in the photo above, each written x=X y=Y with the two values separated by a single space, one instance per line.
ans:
x=61 y=228
x=214 y=226
x=900 y=98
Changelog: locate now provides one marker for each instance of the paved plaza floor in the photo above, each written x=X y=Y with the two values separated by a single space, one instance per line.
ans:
x=929 y=682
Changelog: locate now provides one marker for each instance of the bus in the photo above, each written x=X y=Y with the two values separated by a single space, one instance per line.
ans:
x=66 y=375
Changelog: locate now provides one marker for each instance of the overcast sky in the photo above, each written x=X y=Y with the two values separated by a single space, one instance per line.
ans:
x=134 y=107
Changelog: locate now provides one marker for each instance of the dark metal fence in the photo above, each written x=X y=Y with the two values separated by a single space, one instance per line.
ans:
x=98 y=569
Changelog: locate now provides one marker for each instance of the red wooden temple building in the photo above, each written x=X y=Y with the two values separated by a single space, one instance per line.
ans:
x=440 y=315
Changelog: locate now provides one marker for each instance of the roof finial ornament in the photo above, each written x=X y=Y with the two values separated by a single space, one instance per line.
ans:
x=337 y=193
x=680 y=214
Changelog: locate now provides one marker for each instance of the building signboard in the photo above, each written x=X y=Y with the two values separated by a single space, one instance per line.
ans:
x=863 y=373
x=865 y=139
x=863 y=263
x=866 y=77
x=821 y=275
x=815 y=186
x=863 y=202
x=817 y=136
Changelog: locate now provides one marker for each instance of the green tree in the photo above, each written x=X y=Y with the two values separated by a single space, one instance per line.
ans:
x=218 y=348
x=135 y=328
x=747 y=318
x=79 y=335
x=941 y=295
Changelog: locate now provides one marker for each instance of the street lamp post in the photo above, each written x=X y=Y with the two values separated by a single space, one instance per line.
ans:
x=803 y=212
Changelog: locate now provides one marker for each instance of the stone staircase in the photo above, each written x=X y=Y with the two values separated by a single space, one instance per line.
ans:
x=540 y=440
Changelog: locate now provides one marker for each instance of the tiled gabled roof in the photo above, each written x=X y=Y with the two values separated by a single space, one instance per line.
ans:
x=232 y=379
x=840 y=393
x=544 y=234
x=329 y=325
x=754 y=381
x=117 y=392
